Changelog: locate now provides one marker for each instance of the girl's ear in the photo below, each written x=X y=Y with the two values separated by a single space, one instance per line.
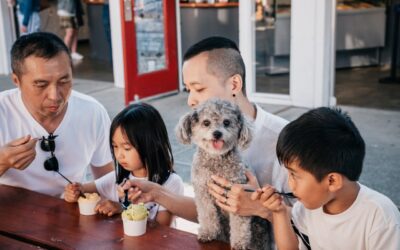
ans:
x=335 y=181
x=245 y=133
x=183 y=130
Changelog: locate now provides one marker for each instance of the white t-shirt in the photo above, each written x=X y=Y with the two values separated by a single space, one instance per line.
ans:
x=371 y=222
x=82 y=139
x=107 y=187
x=261 y=154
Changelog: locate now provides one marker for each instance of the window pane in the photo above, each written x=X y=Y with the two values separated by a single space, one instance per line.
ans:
x=272 y=33
x=150 y=37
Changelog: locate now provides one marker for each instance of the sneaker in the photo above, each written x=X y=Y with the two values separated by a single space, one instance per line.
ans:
x=76 y=56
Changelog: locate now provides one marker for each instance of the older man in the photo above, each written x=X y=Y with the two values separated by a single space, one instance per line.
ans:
x=45 y=125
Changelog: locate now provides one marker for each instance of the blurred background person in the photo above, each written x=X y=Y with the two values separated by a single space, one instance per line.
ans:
x=71 y=18
x=28 y=15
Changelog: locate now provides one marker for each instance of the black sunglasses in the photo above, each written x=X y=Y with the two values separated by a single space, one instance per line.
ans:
x=51 y=164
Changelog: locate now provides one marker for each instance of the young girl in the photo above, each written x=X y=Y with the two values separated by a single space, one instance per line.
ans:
x=141 y=149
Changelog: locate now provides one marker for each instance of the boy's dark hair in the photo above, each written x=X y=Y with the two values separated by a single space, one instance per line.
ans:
x=322 y=141
x=145 y=130
x=39 y=44
x=224 y=57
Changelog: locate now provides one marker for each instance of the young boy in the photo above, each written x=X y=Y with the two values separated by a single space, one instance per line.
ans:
x=323 y=152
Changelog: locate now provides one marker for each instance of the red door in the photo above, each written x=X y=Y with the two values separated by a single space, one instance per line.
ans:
x=150 y=48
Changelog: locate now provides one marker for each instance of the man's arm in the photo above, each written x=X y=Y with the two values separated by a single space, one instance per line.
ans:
x=100 y=171
x=145 y=191
x=180 y=205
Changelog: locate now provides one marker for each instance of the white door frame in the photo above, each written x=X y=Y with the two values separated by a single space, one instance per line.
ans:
x=116 y=40
x=7 y=37
x=312 y=53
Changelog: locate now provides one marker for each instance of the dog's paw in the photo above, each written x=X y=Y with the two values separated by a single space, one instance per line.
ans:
x=205 y=237
x=240 y=246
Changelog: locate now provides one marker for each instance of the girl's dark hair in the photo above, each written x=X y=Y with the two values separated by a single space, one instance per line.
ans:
x=40 y=44
x=323 y=141
x=145 y=129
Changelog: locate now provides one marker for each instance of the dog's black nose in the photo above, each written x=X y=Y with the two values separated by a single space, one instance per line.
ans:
x=217 y=134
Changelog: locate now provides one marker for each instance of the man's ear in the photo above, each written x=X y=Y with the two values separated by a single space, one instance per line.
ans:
x=237 y=84
x=15 y=79
x=335 y=181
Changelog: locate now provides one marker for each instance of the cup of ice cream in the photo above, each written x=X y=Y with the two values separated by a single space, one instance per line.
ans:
x=134 y=219
x=87 y=205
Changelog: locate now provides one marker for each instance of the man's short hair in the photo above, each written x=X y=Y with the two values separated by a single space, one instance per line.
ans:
x=224 y=59
x=39 y=44
x=323 y=141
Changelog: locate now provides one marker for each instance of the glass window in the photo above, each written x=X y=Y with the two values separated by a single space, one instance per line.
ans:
x=150 y=36
x=272 y=37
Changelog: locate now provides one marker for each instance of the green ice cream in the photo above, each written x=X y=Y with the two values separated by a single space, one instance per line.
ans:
x=135 y=212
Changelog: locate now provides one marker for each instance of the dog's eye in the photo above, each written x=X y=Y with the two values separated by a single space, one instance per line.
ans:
x=227 y=123
x=206 y=123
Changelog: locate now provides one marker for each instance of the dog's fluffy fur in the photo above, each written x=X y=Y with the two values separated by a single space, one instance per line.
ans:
x=218 y=128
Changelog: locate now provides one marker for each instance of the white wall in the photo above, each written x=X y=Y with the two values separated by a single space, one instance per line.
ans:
x=7 y=37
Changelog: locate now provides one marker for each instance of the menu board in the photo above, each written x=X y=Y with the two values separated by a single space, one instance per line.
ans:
x=150 y=37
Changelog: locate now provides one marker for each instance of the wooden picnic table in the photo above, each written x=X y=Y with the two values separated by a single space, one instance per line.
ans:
x=30 y=220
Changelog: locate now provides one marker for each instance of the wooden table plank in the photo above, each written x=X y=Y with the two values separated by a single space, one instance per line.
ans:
x=49 y=221
x=13 y=244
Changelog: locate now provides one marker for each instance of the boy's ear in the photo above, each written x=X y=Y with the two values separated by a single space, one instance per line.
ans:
x=335 y=181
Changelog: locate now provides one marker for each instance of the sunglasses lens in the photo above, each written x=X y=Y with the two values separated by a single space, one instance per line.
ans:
x=48 y=144
x=51 y=164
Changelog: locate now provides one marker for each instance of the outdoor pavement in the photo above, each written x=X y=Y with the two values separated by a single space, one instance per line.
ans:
x=379 y=128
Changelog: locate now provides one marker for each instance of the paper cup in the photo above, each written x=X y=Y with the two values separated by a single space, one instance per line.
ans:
x=134 y=227
x=86 y=207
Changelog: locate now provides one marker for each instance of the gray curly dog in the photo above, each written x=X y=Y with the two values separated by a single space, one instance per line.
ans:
x=218 y=128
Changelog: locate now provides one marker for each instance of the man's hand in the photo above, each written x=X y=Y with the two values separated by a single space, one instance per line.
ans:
x=23 y=29
x=233 y=197
x=17 y=154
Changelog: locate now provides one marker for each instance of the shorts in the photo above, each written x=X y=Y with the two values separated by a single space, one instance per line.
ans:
x=67 y=22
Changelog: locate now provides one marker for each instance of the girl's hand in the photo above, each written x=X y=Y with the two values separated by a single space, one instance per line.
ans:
x=72 y=191
x=108 y=208
x=133 y=192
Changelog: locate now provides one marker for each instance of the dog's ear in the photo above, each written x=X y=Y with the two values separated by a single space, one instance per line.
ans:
x=245 y=133
x=183 y=130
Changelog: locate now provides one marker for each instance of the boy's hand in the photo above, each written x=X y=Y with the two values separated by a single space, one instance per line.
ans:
x=269 y=199
x=72 y=192
x=108 y=208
